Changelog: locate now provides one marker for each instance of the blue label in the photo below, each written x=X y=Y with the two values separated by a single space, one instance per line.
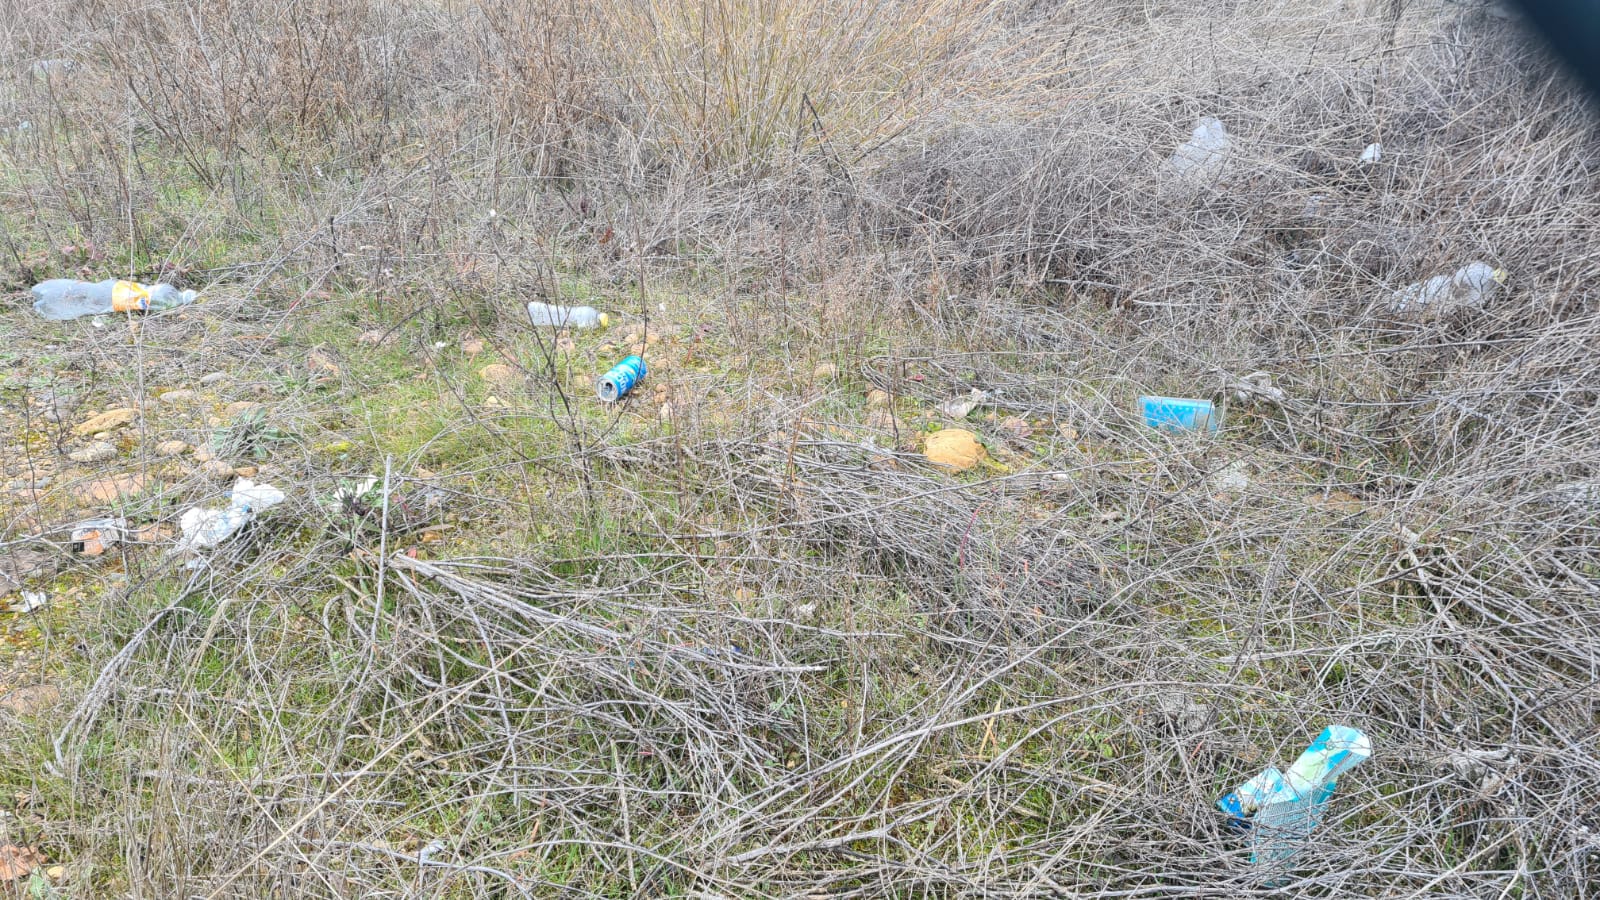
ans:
x=616 y=383
x=1178 y=414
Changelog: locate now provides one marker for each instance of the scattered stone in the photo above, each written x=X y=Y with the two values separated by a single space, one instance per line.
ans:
x=217 y=468
x=825 y=372
x=203 y=453
x=322 y=364
x=176 y=397
x=500 y=375
x=243 y=407
x=111 y=418
x=56 y=873
x=877 y=399
x=472 y=347
x=214 y=378
x=172 y=448
x=1017 y=429
x=99 y=451
x=246 y=471
x=109 y=488
x=30 y=700
x=954 y=448
x=1231 y=479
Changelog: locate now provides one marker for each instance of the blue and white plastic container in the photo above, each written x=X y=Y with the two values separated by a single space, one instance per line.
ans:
x=615 y=384
x=1176 y=414
x=1281 y=809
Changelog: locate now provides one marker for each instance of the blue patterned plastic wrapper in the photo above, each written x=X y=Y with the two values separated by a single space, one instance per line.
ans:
x=1179 y=414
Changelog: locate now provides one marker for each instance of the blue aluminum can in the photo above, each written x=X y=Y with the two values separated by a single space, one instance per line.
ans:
x=615 y=384
x=1179 y=414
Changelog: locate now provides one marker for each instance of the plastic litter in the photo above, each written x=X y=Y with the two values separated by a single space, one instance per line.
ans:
x=566 y=316
x=66 y=298
x=1372 y=155
x=1280 y=809
x=1173 y=414
x=1469 y=286
x=1205 y=153
x=1482 y=770
x=960 y=407
x=92 y=537
x=616 y=383
x=206 y=528
x=29 y=601
x=51 y=68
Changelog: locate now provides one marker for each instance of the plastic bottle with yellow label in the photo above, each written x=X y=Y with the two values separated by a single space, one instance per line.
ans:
x=67 y=298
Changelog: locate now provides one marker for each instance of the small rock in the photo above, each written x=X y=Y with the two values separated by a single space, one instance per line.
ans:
x=242 y=407
x=246 y=471
x=176 y=397
x=56 y=873
x=322 y=364
x=374 y=337
x=109 y=488
x=100 y=451
x=492 y=402
x=825 y=372
x=1017 y=429
x=217 y=468
x=472 y=347
x=111 y=418
x=954 y=448
x=30 y=700
x=500 y=374
x=172 y=448
x=214 y=378
x=877 y=399
x=1232 y=479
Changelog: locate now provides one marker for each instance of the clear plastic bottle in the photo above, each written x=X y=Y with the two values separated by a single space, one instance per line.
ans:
x=1468 y=287
x=566 y=316
x=67 y=298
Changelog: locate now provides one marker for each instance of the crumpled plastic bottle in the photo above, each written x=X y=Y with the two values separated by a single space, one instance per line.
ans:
x=206 y=528
x=566 y=316
x=67 y=298
x=1470 y=286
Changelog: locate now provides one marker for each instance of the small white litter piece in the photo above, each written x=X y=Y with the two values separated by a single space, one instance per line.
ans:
x=1204 y=155
x=1372 y=155
x=1470 y=286
x=29 y=601
x=206 y=528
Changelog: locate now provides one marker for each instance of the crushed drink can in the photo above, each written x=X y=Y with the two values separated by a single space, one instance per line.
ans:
x=1179 y=414
x=616 y=383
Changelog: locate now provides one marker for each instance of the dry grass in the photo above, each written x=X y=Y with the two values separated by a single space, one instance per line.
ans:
x=736 y=638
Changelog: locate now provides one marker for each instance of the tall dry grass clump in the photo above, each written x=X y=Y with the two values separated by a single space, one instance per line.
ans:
x=732 y=83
